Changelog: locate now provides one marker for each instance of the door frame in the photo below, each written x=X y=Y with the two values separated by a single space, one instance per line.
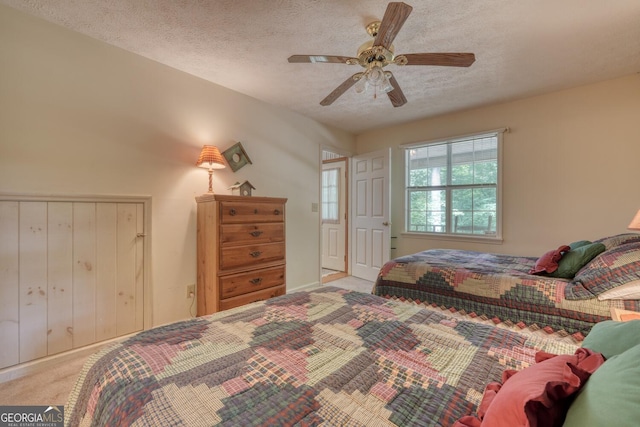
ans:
x=346 y=155
x=344 y=207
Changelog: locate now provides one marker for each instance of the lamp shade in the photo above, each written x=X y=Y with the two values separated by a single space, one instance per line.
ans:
x=210 y=158
x=635 y=222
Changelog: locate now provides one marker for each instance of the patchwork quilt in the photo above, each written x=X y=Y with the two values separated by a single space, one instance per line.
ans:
x=328 y=357
x=496 y=287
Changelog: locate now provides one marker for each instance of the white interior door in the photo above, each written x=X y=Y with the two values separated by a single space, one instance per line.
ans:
x=370 y=195
x=334 y=215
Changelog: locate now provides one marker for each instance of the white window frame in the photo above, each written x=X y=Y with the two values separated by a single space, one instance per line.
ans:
x=330 y=209
x=492 y=238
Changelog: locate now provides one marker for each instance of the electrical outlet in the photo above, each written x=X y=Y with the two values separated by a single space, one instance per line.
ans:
x=191 y=291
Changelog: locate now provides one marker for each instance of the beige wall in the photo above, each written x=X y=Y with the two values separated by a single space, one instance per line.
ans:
x=79 y=117
x=571 y=165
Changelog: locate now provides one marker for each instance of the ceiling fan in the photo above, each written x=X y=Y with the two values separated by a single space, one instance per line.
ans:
x=376 y=54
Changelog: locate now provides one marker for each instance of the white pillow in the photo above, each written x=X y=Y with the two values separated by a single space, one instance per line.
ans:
x=630 y=290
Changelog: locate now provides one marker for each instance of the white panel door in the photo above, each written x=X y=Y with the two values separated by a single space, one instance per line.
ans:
x=334 y=232
x=371 y=234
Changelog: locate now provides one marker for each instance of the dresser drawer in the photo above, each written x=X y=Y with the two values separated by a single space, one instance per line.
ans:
x=264 y=294
x=238 y=284
x=243 y=234
x=247 y=212
x=241 y=256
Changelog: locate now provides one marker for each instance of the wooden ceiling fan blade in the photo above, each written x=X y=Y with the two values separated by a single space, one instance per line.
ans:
x=443 y=59
x=340 y=90
x=396 y=96
x=332 y=59
x=392 y=22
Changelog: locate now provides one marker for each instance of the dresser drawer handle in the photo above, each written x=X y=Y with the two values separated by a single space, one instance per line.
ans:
x=255 y=254
x=276 y=211
x=256 y=281
x=256 y=233
x=232 y=212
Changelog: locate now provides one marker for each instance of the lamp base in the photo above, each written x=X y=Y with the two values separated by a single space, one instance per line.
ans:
x=211 y=180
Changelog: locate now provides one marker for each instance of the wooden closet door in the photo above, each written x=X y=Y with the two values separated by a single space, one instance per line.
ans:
x=71 y=274
x=9 y=284
x=33 y=280
x=60 y=277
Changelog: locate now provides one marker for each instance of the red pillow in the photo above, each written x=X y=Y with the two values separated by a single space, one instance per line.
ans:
x=548 y=263
x=535 y=396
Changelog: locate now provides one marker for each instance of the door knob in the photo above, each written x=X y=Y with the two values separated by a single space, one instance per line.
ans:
x=386 y=223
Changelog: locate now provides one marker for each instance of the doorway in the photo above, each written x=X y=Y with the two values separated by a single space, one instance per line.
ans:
x=334 y=216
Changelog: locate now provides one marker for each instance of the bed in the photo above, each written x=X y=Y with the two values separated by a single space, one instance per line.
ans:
x=323 y=357
x=500 y=289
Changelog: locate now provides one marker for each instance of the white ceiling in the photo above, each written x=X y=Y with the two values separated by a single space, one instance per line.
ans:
x=522 y=47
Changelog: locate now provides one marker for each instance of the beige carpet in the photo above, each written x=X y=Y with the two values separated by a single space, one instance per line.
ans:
x=48 y=387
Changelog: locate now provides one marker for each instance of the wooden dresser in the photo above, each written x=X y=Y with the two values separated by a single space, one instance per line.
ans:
x=241 y=250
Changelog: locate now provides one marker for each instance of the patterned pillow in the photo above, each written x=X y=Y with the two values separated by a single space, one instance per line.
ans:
x=617 y=240
x=608 y=270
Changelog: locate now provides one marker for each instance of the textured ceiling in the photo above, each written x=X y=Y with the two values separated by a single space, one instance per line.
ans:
x=522 y=48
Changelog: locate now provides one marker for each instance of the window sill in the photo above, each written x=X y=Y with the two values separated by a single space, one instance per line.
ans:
x=490 y=240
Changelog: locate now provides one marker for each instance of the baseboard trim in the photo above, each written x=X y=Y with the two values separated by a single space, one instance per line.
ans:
x=306 y=287
x=38 y=365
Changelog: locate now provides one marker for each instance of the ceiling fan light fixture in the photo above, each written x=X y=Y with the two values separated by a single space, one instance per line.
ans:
x=386 y=84
x=374 y=77
x=361 y=84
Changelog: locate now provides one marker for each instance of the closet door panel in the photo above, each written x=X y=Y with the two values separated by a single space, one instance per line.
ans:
x=106 y=247
x=139 y=267
x=9 y=284
x=126 y=274
x=59 y=274
x=84 y=274
x=33 y=280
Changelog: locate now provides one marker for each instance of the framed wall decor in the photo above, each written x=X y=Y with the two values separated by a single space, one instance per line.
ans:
x=236 y=156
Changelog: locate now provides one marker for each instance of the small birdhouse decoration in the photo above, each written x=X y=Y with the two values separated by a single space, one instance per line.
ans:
x=243 y=189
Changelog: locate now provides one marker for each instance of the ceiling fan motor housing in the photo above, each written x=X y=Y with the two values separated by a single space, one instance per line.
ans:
x=368 y=53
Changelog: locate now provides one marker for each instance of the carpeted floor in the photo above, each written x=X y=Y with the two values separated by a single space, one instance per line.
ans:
x=48 y=387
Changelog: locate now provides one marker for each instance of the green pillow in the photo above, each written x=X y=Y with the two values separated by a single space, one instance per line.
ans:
x=579 y=244
x=575 y=259
x=611 y=395
x=612 y=338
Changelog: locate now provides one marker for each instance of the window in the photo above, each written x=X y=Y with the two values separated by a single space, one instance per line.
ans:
x=452 y=186
x=330 y=195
